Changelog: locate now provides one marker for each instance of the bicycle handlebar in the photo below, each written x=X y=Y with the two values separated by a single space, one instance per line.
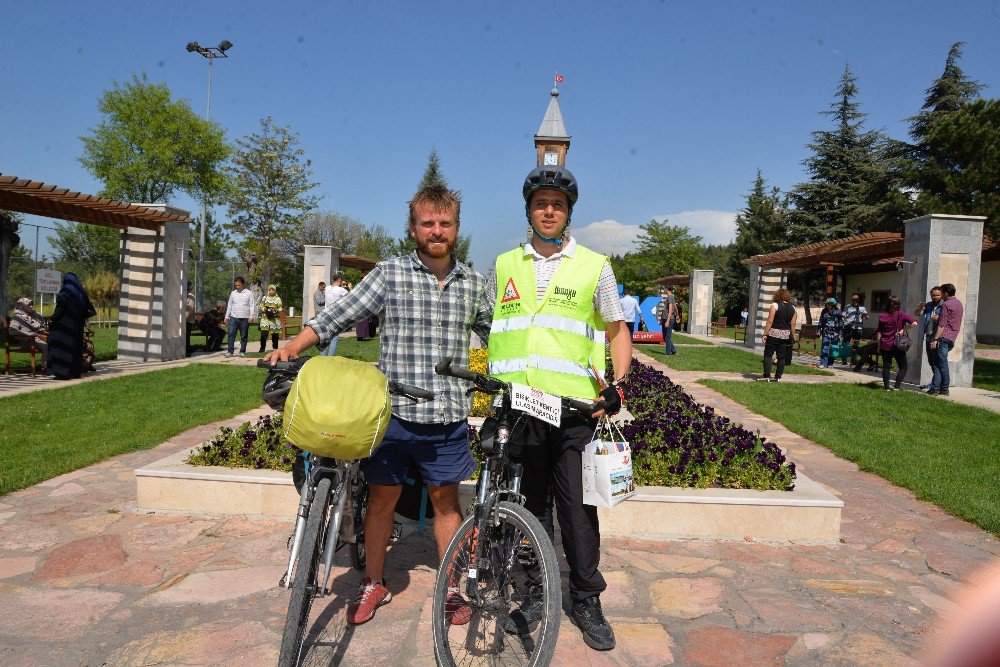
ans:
x=409 y=391
x=294 y=366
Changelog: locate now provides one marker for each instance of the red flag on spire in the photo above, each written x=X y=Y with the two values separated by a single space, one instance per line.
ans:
x=559 y=77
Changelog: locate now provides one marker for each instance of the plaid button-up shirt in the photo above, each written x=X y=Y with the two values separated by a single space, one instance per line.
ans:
x=421 y=324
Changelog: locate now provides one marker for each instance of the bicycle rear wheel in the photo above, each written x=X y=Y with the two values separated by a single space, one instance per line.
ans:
x=305 y=588
x=360 y=500
x=516 y=558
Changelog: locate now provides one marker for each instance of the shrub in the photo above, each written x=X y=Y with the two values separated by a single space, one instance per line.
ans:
x=252 y=445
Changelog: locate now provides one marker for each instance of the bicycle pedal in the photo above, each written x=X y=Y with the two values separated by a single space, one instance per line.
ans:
x=397 y=530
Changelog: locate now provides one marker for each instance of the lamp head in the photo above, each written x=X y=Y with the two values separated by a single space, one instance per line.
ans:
x=225 y=45
x=192 y=46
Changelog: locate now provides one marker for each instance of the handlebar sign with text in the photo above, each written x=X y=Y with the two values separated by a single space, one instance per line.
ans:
x=536 y=403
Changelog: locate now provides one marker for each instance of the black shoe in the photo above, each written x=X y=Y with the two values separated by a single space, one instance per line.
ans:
x=524 y=619
x=933 y=392
x=597 y=632
x=943 y=392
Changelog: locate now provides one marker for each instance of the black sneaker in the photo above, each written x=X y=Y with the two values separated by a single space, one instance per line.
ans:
x=933 y=392
x=597 y=632
x=524 y=619
x=943 y=392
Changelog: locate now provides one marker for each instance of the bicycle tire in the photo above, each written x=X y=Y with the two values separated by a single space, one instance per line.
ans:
x=357 y=549
x=452 y=572
x=304 y=589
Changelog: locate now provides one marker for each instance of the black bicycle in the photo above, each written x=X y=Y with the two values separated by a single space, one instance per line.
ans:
x=325 y=485
x=501 y=558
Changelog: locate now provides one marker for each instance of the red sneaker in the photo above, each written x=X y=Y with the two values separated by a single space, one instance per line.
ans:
x=456 y=609
x=370 y=597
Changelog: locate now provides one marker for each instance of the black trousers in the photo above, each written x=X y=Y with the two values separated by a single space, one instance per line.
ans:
x=263 y=339
x=887 y=357
x=553 y=469
x=214 y=338
x=778 y=347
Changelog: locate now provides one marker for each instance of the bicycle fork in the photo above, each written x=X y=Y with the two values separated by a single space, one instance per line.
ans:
x=332 y=533
x=305 y=500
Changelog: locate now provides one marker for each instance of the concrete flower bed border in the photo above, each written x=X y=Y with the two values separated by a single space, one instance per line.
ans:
x=808 y=514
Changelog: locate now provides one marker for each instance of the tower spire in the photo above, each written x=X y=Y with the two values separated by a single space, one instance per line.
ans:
x=552 y=140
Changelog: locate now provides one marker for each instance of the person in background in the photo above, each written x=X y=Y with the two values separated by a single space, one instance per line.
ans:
x=831 y=328
x=66 y=327
x=319 y=297
x=190 y=318
x=949 y=326
x=744 y=316
x=666 y=314
x=270 y=318
x=239 y=315
x=630 y=308
x=27 y=324
x=211 y=324
x=928 y=314
x=334 y=293
x=854 y=317
x=892 y=324
x=777 y=334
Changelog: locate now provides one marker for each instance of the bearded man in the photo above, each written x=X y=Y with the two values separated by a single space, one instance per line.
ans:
x=429 y=303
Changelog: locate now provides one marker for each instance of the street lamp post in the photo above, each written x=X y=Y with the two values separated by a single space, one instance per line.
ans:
x=210 y=53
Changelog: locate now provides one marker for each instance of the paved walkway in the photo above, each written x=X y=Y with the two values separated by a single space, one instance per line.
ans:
x=87 y=578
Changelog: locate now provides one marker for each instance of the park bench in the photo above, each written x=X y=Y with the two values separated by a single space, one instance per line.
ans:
x=718 y=328
x=740 y=333
x=9 y=345
x=290 y=325
x=808 y=334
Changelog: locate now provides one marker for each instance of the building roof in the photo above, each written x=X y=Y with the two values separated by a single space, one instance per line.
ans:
x=50 y=201
x=552 y=126
x=362 y=264
x=679 y=280
x=868 y=247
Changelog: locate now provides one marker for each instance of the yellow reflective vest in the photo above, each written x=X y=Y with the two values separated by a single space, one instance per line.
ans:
x=556 y=344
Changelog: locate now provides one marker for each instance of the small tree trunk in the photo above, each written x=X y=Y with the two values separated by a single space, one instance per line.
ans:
x=8 y=239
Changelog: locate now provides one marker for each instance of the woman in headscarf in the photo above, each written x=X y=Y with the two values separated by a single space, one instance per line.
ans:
x=270 y=318
x=73 y=307
x=27 y=324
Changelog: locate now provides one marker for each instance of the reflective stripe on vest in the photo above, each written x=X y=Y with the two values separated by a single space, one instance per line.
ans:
x=557 y=344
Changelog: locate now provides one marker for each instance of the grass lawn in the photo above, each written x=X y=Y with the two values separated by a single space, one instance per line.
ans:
x=681 y=339
x=47 y=433
x=889 y=434
x=986 y=346
x=720 y=359
x=352 y=348
x=986 y=374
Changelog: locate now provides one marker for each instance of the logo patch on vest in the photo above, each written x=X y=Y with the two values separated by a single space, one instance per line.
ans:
x=510 y=292
x=565 y=291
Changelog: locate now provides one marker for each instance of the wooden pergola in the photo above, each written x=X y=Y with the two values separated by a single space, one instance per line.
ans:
x=51 y=201
x=679 y=280
x=863 y=248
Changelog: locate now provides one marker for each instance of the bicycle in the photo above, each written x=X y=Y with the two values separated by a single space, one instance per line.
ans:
x=501 y=557
x=326 y=484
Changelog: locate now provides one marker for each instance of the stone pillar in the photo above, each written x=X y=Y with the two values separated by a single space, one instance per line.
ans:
x=700 y=299
x=763 y=284
x=939 y=249
x=151 y=313
x=320 y=263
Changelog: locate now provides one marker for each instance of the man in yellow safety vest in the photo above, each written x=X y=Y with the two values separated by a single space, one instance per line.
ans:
x=554 y=303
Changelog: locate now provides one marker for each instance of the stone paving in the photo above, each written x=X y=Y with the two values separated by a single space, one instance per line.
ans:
x=87 y=578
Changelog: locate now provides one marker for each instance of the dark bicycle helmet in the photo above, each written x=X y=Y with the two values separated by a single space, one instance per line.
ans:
x=550 y=177
x=277 y=384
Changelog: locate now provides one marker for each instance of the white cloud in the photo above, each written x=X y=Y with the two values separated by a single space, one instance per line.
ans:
x=612 y=237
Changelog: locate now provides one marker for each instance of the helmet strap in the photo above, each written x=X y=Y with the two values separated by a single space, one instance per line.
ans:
x=556 y=240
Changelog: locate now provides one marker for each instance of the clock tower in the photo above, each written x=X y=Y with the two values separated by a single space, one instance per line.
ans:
x=551 y=140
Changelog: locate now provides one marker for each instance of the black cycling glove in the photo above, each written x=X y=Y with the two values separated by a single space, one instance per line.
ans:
x=613 y=399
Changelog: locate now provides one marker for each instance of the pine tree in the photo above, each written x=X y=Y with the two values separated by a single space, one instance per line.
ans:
x=433 y=176
x=946 y=95
x=762 y=226
x=851 y=187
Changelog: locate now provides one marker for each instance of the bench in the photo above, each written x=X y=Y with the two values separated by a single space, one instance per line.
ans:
x=27 y=347
x=809 y=334
x=740 y=332
x=289 y=325
x=718 y=328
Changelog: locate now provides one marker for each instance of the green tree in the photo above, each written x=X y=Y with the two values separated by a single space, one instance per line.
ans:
x=851 y=187
x=9 y=238
x=87 y=248
x=663 y=249
x=269 y=195
x=762 y=226
x=21 y=274
x=148 y=146
x=949 y=92
x=433 y=176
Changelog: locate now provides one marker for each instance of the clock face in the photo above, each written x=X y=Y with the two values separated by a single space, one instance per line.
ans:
x=551 y=158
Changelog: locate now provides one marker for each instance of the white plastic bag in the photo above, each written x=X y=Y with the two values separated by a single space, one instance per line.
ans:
x=607 y=470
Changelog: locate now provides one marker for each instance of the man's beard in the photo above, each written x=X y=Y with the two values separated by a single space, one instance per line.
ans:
x=425 y=248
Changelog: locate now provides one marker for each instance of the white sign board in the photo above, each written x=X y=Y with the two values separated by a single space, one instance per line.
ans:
x=536 y=403
x=47 y=281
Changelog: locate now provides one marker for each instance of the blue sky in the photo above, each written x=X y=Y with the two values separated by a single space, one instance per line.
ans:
x=672 y=105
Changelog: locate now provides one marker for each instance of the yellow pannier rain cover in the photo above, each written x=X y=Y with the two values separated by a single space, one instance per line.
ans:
x=338 y=408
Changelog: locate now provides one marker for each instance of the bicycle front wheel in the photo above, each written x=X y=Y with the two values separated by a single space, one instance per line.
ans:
x=305 y=588
x=515 y=617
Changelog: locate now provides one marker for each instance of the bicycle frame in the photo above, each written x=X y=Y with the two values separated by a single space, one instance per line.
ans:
x=340 y=473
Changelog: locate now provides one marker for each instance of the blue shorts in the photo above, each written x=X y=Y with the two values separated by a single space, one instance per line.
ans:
x=439 y=451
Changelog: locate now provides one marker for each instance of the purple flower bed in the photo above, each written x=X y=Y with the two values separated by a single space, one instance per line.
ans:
x=678 y=442
x=253 y=445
